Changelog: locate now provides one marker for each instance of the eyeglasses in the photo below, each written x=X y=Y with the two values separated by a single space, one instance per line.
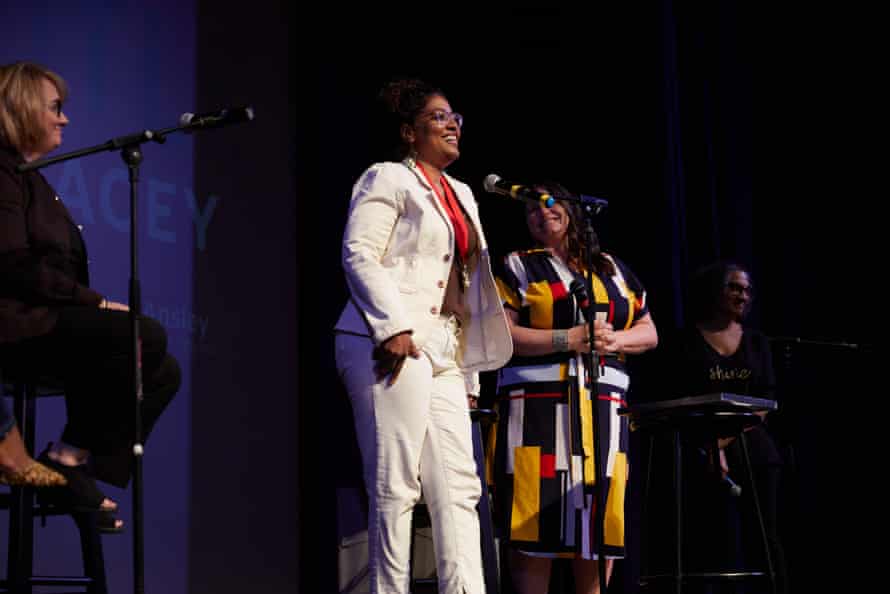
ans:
x=56 y=107
x=740 y=288
x=442 y=118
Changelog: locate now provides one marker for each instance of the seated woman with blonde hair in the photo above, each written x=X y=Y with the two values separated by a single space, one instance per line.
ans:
x=49 y=314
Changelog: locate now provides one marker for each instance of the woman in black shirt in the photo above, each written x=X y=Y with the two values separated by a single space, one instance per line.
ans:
x=54 y=323
x=720 y=354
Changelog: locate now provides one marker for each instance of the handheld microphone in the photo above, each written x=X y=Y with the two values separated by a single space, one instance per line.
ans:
x=495 y=185
x=734 y=489
x=579 y=292
x=215 y=119
x=726 y=482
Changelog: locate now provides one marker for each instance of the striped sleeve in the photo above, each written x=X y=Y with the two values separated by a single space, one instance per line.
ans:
x=635 y=288
x=511 y=281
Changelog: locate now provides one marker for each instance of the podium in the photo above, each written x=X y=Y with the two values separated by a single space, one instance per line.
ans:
x=704 y=418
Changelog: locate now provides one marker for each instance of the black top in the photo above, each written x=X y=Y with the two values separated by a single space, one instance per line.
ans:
x=43 y=260
x=699 y=369
x=702 y=370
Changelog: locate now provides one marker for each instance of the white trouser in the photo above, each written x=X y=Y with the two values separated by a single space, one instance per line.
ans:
x=416 y=432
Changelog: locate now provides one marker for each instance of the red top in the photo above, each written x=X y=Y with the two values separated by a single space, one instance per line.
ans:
x=449 y=202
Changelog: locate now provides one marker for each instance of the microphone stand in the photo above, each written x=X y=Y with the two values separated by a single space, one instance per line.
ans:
x=591 y=207
x=131 y=154
x=788 y=340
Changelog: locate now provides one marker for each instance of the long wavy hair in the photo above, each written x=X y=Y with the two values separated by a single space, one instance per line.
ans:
x=575 y=249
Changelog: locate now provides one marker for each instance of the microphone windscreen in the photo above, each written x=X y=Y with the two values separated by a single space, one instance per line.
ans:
x=490 y=182
x=578 y=289
x=245 y=114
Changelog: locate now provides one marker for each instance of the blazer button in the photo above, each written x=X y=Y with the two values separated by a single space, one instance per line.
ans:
x=57 y=198
x=447 y=257
x=434 y=310
x=441 y=284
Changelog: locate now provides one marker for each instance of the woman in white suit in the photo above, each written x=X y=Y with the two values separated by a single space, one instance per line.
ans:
x=423 y=318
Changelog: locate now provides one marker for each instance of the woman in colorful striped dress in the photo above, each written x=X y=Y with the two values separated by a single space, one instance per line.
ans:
x=543 y=465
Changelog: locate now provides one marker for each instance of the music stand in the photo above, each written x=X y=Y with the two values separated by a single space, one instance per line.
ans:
x=706 y=417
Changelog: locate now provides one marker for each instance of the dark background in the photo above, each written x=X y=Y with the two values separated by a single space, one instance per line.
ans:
x=655 y=110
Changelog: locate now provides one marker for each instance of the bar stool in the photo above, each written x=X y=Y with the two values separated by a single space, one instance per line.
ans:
x=701 y=419
x=20 y=501
x=420 y=515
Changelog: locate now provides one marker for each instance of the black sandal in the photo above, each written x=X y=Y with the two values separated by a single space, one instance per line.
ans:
x=81 y=495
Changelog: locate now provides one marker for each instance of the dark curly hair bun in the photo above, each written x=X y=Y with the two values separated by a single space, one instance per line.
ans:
x=406 y=97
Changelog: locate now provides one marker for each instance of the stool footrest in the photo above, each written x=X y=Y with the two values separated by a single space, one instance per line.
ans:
x=57 y=580
x=40 y=510
x=60 y=580
x=706 y=575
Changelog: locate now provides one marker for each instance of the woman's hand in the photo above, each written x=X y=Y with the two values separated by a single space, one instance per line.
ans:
x=605 y=340
x=578 y=340
x=390 y=356
x=724 y=464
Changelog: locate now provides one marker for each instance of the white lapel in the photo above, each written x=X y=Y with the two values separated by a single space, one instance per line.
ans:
x=469 y=205
x=431 y=193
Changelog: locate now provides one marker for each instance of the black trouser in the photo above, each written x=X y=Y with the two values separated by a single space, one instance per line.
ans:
x=767 y=474
x=88 y=350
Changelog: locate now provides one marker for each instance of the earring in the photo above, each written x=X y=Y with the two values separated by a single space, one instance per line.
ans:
x=411 y=159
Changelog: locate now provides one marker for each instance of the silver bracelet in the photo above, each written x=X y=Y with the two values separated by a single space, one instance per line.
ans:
x=560 y=340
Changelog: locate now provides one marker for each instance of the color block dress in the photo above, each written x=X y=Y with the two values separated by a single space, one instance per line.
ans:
x=541 y=450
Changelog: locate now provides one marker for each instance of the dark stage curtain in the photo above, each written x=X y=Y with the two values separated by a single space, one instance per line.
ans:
x=652 y=109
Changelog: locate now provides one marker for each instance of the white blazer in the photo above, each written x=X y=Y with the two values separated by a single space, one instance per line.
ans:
x=397 y=255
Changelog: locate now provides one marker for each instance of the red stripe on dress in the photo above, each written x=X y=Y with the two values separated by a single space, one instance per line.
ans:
x=541 y=395
x=548 y=466
x=612 y=398
x=558 y=290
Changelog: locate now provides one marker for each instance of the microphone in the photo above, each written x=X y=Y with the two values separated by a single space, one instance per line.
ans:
x=215 y=119
x=734 y=489
x=726 y=482
x=579 y=292
x=495 y=185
